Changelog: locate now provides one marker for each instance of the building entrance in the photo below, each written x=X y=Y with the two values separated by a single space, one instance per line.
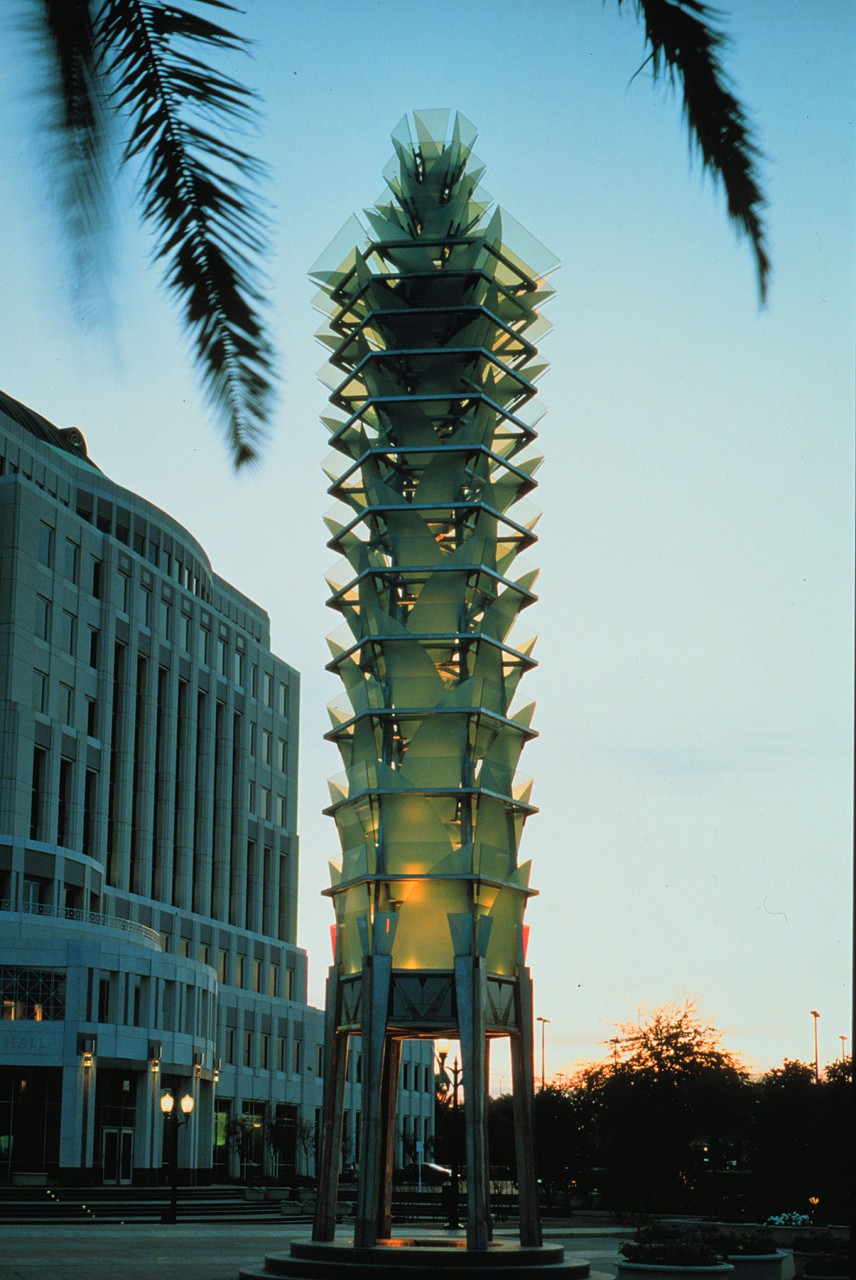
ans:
x=117 y=1157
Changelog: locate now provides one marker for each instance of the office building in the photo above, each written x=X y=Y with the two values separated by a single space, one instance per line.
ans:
x=148 y=846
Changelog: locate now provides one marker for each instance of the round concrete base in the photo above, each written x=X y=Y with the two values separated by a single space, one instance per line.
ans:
x=429 y=1256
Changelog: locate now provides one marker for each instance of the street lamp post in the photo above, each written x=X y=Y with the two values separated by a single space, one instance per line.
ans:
x=172 y=1124
x=455 y=1071
x=816 y=1015
x=843 y=1040
x=543 y=1022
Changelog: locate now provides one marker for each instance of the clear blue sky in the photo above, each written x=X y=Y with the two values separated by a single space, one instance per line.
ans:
x=695 y=688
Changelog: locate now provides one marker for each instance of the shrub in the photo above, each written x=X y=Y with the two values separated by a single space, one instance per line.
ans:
x=747 y=1242
x=674 y=1246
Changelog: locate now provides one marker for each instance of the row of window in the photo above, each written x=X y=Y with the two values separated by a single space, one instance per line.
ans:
x=265 y=808
x=133 y=533
x=240 y=971
x=255 y=1052
x=71 y=560
x=189 y=636
x=123 y=998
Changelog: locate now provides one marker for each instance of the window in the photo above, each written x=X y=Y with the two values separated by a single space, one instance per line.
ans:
x=251 y=796
x=230 y=1044
x=96 y=578
x=252 y=740
x=90 y=792
x=222 y=957
x=32 y=894
x=267 y=740
x=40 y=764
x=46 y=536
x=92 y=717
x=238 y=671
x=93 y=646
x=222 y=657
x=34 y=995
x=145 y=604
x=203 y=953
x=319 y=1066
x=263 y=1051
x=283 y=699
x=204 y=646
x=68 y=632
x=254 y=680
x=264 y=808
x=239 y=970
x=184 y=946
x=125 y=592
x=40 y=692
x=248 y=1048
x=405 y=1075
x=273 y=979
x=43 y=618
x=72 y=560
x=280 y=1053
x=185 y=632
x=268 y=688
x=63 y=831
x=165 y=617
x=296 y=1056
x=257 y=975
x=103 y=999
x=289 y=984
x=66 y=704
x=280 y=811
x=282 y=755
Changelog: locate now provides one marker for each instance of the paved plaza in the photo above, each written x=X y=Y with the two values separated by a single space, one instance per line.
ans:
x=191 y=1251
x=210 y=1251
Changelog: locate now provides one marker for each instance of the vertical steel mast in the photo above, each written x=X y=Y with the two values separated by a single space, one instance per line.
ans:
x=433 y=312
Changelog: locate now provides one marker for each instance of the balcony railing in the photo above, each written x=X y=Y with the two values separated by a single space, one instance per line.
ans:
x=97 y=918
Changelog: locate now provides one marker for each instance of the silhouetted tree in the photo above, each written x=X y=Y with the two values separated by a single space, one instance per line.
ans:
x=665 y=1110
x=802 y=1140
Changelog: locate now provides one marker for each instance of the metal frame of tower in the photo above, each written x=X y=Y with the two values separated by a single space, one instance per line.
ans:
x=432 y=317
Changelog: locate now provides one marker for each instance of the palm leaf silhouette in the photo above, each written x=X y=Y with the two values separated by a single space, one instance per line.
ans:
x=197 y=190
x=77 y=126
x=686 y=46
x=142 y=62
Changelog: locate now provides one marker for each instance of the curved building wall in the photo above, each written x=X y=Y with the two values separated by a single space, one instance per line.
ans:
x=148 y=846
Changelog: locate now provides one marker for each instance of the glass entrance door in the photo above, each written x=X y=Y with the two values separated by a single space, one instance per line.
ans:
x=117 y=1156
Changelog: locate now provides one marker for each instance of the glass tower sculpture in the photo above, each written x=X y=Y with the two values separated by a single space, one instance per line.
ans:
x=432 y=317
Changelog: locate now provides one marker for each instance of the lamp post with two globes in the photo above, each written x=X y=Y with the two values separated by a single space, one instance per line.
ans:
x=452 y=1076
x=172 y=1124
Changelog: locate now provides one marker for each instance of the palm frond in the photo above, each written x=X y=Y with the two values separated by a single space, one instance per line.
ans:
x=198 y=192
x=76 y=124
x=686 y=45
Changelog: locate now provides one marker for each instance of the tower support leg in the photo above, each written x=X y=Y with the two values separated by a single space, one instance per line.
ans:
x=470 y=985
x=523 y=1088
x=389 y=1095
x=377 y=977
x=335 y=1069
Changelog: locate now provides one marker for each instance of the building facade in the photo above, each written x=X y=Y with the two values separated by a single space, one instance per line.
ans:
x=148 y=846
